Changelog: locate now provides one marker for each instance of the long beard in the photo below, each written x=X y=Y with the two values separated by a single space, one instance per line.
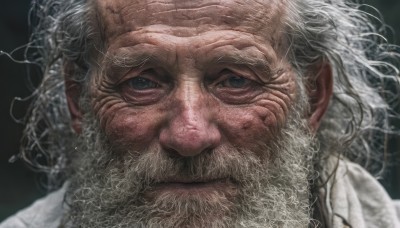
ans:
x=112 y=189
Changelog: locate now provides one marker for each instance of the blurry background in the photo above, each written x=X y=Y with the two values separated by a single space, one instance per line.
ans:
x=19 y=186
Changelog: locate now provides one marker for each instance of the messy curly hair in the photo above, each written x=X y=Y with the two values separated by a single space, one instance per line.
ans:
x=69 y=32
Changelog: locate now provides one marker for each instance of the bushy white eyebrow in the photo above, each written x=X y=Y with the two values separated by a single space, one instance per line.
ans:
x=256 y=63
x=121 y=62
x=129 y=60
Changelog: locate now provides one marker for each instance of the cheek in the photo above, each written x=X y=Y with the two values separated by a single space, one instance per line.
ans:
x=130 y=130
x=126 y=128
x=257 y=123
x=245 y=126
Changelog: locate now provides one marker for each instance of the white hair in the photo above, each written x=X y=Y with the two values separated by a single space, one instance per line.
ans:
x=365 y=74
x=69 y=32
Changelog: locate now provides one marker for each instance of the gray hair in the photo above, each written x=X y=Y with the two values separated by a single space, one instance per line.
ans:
x=365 y=73
x=335 y=31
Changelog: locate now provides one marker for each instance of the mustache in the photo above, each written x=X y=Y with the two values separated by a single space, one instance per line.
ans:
x=155 y=166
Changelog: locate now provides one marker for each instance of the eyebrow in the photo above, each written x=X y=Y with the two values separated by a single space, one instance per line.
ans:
x=123 y=61
x=120 y=63
x=257 y=63
x=129 y=60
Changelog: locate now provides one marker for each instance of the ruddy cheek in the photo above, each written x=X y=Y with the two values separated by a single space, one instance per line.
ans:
x=241 y=126
x=130 y=131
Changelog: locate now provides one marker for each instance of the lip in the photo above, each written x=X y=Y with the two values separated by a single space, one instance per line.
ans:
x=184 y=187
x=192 y=185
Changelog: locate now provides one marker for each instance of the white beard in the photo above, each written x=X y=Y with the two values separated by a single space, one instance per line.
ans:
x=107 y=190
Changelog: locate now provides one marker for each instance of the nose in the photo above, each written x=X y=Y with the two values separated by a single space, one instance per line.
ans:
x=190 y=129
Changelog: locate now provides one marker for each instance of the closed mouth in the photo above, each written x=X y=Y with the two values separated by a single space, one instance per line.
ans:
x=187 y=183
x=212 y=191
x=197 y=187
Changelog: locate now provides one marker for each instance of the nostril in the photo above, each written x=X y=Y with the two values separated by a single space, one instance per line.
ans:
x=172 y=153
x=185 y=143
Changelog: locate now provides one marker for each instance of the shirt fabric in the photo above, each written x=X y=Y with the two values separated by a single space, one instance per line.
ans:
x=353 y=199
x=43 y=213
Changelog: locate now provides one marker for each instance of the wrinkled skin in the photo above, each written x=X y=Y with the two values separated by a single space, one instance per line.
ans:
x=193 y=76
x=202 y=81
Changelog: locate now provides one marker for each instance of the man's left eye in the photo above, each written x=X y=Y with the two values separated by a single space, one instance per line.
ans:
x=141 y=83
x=235 y=82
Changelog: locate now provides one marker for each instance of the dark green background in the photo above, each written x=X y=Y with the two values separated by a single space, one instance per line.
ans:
x=18 y=185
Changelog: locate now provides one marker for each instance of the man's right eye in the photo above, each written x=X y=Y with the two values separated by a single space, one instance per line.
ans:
x=143 y=89
x=141 y=83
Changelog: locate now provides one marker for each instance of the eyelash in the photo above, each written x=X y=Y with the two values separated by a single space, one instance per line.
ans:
x=142 y=80
x=142 y=89
x=150 y=86
x=227 y=75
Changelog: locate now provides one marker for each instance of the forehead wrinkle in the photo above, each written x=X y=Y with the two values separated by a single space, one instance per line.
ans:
x=188 y=14
x=178 y=16
x=244 y=44
x=249 y=15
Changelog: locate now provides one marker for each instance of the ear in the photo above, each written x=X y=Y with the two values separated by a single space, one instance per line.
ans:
x=73 y=92
x=320 y=93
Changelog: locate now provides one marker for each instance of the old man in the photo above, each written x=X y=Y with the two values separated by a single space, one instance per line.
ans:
x=176 y=113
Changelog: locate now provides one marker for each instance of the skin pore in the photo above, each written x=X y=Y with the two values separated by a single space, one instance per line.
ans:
x=192 y=99
x=190 y=66
x=190 y=84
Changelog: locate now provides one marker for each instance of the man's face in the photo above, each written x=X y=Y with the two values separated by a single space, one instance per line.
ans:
x=191 y=100
x=191 y=76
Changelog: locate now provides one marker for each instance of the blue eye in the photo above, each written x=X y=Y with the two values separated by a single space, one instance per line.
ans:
x=235 y=82
x=140 y=83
